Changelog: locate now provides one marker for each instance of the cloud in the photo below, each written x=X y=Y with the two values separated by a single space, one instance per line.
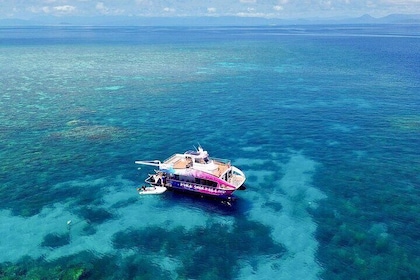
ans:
x=402 y=2
x=169 y=10
x=103 y=9
x=326 y=4
x=45 y=9
x=56 y=10
x=100 y=6
x=66 y=9
x=248 y=14
x=257 y=8
x=211 y=10
x=370 y=4
x=144 y=2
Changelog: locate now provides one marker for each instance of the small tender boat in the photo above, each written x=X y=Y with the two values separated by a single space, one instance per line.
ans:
x=196 y=172
x=151 y=190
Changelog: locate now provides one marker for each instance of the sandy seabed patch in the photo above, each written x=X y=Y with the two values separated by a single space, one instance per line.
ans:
x=24 y=236
x=291 y=226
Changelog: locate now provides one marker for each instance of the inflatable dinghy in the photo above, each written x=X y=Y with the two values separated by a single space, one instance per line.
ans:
x=151 y=190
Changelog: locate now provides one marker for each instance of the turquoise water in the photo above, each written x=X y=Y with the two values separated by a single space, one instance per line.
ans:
x=324 y=121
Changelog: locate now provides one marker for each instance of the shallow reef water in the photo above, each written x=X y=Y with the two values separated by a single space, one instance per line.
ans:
x=323 y=121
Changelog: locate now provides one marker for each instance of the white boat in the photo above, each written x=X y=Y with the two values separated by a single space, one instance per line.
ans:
x=196 y=172
x=151 y=190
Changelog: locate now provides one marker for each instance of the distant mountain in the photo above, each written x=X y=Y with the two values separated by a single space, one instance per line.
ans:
x=401 y=18
x=364 y=19
x=368 y=19
x=390 y=19
x=15 y=22
x=205 y=21
x=139 y=21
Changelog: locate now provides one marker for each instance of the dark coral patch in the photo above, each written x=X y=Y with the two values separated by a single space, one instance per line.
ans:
x=205 y=252
x=95 y=215
x=54 y=240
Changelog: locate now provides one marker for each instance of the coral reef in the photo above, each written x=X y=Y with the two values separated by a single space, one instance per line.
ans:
x=56 y=240
x=88 y=132
x=406 y=123
x=357 y=237
x=205 y=253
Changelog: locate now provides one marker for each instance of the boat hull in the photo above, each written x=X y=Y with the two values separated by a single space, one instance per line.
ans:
x=199 y=189
x=197 y=173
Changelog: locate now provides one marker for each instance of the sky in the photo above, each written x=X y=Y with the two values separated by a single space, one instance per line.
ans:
x=282 y=9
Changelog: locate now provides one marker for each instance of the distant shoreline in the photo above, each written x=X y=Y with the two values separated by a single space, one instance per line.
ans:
x=412 y=19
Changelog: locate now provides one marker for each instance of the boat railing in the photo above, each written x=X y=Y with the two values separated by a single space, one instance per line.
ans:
x=221 y=160
x=169 y=159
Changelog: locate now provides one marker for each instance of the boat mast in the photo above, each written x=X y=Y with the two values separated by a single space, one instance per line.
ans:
x=149 y=162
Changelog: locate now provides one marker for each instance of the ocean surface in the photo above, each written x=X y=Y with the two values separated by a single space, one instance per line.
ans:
x=323 y=120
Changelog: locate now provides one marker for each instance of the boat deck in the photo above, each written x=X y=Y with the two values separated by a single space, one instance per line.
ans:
x=181 y=162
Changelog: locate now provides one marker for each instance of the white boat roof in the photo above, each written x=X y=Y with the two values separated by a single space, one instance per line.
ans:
x=198 y=160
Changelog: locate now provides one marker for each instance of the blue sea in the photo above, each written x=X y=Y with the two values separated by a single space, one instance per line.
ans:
x=324 y=120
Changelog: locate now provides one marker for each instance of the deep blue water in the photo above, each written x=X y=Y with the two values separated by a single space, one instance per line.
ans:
x=324 y=121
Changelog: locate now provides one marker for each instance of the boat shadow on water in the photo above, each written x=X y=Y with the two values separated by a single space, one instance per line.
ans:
x=227 y=206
